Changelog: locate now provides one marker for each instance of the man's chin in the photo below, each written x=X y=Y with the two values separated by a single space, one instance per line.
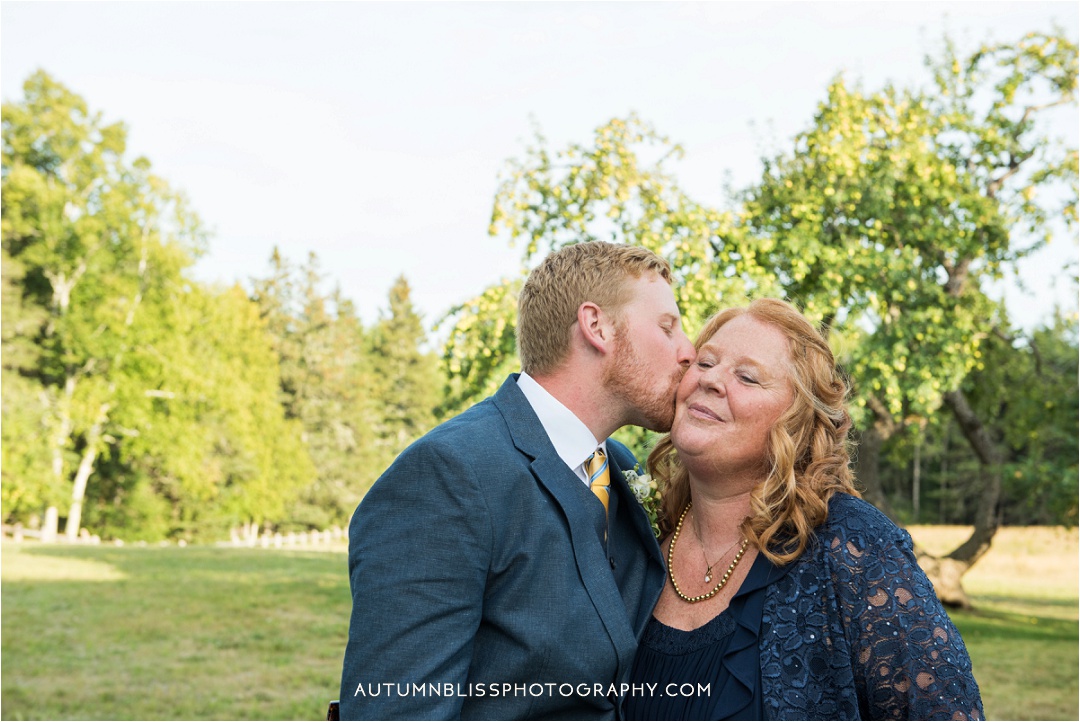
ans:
x=658 y=422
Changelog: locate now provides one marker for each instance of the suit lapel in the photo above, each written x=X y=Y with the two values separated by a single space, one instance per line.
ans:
x=636 y=522
x=569 y=493
x=638 y=517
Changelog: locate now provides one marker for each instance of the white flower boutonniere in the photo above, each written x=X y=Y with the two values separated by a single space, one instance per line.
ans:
x=647 y=493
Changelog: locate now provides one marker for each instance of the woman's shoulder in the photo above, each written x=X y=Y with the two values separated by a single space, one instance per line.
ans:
x=843 y=504
x=856 y=524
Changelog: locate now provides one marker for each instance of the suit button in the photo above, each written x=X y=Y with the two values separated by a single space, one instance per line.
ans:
x=612 y=560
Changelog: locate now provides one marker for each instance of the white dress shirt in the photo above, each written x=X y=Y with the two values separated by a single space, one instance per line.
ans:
x=573 y=441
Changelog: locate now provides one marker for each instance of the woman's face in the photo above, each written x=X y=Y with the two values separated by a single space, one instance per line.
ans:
x=729 y=399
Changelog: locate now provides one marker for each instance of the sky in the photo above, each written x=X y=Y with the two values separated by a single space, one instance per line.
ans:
x=373 y=134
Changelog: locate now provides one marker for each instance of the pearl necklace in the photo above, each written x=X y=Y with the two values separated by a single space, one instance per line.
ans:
x=671 y=564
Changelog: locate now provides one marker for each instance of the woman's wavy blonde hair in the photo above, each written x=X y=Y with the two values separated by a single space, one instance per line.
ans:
x=807 y=451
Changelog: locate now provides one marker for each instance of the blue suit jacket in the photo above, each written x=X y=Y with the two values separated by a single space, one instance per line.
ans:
x=483 y=586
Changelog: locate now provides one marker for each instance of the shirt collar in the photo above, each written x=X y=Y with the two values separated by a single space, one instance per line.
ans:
x=573 y=441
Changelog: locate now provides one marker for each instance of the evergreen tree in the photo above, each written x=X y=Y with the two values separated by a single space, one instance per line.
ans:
x=408 y=390
x=326 y=387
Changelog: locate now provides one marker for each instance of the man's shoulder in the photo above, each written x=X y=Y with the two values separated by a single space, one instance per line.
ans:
x=621 y=454
x=478 y=426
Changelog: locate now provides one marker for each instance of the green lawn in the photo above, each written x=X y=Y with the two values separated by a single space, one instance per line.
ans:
x=1023 y=634
x=215 y=633
x=170 y=633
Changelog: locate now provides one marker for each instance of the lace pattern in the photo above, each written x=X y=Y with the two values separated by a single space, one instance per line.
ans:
x=854 y=630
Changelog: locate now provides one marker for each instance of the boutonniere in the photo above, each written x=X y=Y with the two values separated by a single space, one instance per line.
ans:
x=647 y=493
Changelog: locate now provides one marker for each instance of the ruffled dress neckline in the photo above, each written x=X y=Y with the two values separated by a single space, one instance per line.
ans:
x=722 y=654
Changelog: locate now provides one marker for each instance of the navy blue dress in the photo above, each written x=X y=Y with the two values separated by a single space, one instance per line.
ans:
x=852 y=629
x=719 y=660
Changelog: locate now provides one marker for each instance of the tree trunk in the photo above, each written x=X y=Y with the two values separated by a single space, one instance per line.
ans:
x=82 y=476
x=59 y=439
x=916 y=479
x=868 y=456
x=866 y=469
x=986 y=516
x=945 y=573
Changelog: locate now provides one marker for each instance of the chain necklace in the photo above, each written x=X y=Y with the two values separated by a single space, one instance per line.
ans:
x=697 y=533
x=671 y=565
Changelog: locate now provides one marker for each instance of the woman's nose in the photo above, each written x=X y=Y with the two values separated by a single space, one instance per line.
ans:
x=712 y=379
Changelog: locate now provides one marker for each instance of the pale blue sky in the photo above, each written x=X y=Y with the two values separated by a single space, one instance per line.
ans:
x=373 y=133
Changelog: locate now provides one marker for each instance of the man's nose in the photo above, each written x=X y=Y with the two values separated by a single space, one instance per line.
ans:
x=686 y=351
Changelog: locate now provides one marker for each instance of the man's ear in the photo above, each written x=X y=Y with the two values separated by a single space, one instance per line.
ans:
x=596 y=327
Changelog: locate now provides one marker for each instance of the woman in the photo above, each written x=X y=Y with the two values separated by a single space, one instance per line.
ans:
x=788 y=597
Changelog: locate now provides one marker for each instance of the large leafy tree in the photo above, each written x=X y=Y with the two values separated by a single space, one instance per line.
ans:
x=891 y=214
x=214 y=449
x=1026 y=389
x=617 y=189
x=100 y=241
x=884 y=221
x=28 y=484
x=123 y=370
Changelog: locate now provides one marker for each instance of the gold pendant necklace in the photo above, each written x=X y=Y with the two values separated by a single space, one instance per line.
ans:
x=671 y=564
x=697 y=533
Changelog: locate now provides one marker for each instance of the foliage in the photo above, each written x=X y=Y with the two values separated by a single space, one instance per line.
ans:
x=28 y=485
x=895 y=206
x=326 y=387
x=480 y=350
x=599 y=192
x=359 y=395
x=101 y=243
x=408 y=390
x=885 y=220
x=1028 y=388
x=123 y=372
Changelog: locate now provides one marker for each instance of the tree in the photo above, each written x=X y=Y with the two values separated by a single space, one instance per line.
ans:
x=28 y=484
x=215 y=449
x=327 y=387
x=883 y=222
x=892 y=212
x=605 y=191
x=407 y=391
x=1026 y=389
x=129 y=373
x=99 y=240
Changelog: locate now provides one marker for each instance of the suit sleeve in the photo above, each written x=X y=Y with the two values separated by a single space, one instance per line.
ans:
x=419 y=552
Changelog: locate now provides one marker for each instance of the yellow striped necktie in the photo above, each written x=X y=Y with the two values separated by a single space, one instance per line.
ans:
x=596 y=466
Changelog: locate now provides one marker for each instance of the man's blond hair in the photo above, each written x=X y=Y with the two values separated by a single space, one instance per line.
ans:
x=595 y=271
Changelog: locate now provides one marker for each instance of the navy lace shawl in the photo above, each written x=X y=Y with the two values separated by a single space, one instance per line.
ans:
x=854 y=630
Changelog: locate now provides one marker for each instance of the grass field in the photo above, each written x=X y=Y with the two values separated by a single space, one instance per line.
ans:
x=214 y=633
x=1023 y=634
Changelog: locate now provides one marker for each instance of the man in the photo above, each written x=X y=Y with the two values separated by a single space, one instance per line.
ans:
x=488 y=578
